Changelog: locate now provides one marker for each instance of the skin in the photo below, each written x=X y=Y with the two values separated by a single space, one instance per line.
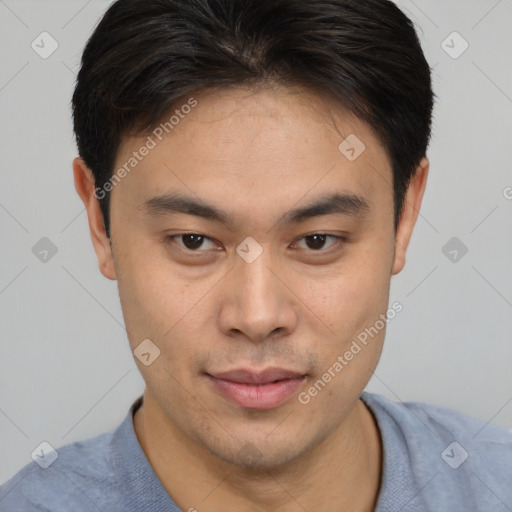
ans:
x=256 y=154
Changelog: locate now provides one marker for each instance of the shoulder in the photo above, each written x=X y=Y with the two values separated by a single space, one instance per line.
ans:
x=450 y=454
x=61 y=477
x=441 y=423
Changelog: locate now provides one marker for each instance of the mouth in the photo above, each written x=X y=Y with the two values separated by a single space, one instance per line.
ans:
x=261 y=390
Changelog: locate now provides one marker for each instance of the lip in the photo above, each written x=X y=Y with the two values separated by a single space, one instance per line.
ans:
x=267 y=376
x=262 y=390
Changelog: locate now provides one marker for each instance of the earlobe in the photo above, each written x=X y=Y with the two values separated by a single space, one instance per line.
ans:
x=85 y=187
x=411 y=209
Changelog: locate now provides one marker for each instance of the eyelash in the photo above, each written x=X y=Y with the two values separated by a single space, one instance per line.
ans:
x=337 y=240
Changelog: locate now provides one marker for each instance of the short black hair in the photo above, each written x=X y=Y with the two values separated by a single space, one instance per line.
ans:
x=146 y=55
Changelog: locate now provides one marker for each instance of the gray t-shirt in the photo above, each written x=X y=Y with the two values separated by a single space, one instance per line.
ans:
x=435 y=460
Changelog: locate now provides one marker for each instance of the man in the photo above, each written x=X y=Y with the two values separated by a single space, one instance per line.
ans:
x=252 y=173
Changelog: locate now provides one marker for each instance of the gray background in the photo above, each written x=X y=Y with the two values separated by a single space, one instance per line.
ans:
x=66 y=372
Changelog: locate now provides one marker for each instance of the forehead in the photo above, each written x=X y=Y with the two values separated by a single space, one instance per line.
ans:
x=244 y=145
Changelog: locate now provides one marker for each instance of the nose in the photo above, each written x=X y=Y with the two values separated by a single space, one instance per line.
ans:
x=256 y=301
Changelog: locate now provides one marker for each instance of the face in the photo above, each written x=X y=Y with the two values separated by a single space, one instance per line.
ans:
x=249 y=248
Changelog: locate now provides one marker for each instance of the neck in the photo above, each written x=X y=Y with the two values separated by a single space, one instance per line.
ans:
x=343 y=472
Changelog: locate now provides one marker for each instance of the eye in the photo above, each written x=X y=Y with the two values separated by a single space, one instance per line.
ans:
x=198 y=243
x=192 y=242
x=317 y=241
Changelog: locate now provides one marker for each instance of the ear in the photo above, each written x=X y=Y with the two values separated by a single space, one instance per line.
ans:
x=410 y=213
x=85 y=187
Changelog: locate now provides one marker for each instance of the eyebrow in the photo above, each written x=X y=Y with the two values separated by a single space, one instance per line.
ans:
x=338 y=203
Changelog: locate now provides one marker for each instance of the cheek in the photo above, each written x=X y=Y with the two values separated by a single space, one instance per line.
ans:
x=161 y=304
x=355 y=298
x=151 y=299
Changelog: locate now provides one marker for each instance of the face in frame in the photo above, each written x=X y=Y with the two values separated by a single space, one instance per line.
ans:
x=263 y=164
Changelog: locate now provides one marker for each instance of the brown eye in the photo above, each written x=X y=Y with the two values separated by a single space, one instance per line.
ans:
x=192 y=242
x=317 y=241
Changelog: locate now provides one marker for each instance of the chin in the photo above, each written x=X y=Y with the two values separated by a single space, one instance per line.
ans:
x=260 y=455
